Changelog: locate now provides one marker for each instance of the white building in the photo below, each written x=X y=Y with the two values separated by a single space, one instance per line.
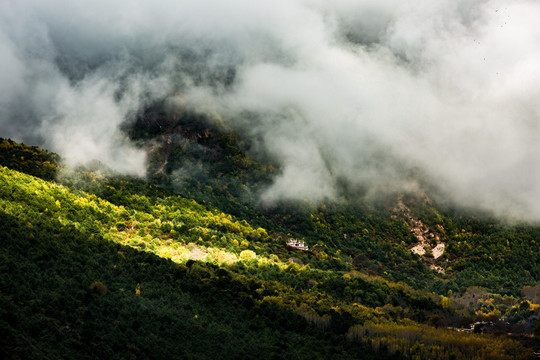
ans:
x=300 y=245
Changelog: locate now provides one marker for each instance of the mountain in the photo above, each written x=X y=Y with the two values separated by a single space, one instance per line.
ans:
x=99 y=265
x=294 y=179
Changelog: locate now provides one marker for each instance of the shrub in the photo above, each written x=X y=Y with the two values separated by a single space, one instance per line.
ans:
x=98 y=287
x=247 y=255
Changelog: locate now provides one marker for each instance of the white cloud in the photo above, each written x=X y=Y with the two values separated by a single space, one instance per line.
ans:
x=355 y=90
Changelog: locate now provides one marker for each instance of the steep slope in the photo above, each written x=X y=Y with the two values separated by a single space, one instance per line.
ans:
x=147 y=273
x=457 y=248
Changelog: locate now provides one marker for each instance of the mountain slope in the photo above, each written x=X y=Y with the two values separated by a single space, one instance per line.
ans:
x=150 y=274
x=211 y=163
x=68 y=292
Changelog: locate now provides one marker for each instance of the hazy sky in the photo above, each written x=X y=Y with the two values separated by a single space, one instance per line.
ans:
x=361 y=90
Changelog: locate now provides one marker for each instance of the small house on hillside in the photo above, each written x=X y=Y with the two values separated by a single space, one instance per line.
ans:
x=295 y=244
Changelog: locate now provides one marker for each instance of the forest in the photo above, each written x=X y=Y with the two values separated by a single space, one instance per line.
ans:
x=298 y=179
x=96 y=264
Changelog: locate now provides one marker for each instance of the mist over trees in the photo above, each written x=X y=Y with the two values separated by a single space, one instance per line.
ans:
x=160 y=163
x=361 y=91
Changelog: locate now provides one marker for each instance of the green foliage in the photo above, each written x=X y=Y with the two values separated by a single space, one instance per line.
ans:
x=422 y=342
x=51 y=306
x=29 y=159
x=108 y=266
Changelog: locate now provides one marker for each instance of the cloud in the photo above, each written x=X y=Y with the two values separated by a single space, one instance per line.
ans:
x=367 y=92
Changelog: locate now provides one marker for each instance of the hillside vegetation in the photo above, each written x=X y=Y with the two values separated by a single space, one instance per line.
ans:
x=96 y=265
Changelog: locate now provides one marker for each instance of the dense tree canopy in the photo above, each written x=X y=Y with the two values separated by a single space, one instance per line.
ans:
x=96 y=265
